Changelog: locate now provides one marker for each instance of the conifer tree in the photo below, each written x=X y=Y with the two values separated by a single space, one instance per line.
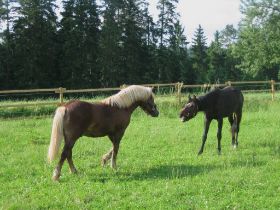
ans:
x=110 y=58
x=79 y=35
x=8 y=14
x=217 y=56
x=165 y=26
x=179 y=59
x=35 y=44
x=199 y=56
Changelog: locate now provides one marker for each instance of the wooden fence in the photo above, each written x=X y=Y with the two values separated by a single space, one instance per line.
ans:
x=178 y=87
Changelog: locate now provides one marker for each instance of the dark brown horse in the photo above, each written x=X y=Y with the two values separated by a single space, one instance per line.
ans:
x=217 y=104
x=107 y=118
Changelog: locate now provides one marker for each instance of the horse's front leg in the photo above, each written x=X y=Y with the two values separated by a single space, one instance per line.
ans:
x=106 y=157
x=204 y=137
x=219 y=134
x=114 y=155
x=116 y=138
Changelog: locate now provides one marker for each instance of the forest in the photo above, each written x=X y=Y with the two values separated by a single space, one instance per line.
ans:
x=107 y=43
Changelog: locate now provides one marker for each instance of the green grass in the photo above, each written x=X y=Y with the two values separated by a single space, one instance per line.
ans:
x=158 y=166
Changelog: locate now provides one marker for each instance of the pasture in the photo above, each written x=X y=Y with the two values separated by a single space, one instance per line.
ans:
x=158 y=166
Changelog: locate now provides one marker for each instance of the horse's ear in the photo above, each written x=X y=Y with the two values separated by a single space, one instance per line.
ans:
x=194 y=97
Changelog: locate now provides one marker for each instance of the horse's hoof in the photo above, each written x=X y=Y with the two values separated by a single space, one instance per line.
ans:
x=200 y=152
x=55 y=177
x=219 y=152
x=73 y=171
x=103 y=163
x=234 y=146
x=114 y=167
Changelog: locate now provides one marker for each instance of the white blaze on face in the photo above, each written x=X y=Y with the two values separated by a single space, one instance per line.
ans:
x=186 y=114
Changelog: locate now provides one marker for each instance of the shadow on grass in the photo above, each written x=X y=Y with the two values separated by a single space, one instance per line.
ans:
x=170 y=172
x=157 y=172
x=174 y=171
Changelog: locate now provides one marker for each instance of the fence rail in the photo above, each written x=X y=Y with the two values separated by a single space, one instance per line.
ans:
x=177 y=89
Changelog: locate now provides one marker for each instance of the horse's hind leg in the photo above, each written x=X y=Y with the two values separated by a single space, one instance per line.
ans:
x=232 y=129
x=57 y=170
x=70 y=160
x=66 y=154
x=219 y=134
x=238 y=120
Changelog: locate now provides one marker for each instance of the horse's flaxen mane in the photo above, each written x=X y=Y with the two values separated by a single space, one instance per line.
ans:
x=126 y=97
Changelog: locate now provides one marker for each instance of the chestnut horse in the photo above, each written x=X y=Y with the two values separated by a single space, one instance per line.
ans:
x=217 y=104
x=109 y=117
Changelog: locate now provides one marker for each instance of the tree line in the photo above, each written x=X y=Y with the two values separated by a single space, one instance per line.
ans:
x=117 y=42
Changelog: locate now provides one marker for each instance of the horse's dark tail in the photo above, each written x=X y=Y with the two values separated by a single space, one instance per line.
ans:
x=57 y=133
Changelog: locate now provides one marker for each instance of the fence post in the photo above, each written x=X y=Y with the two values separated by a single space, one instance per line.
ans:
x=180 y=85
x=176 y=87
x=273 y=89
x=60 y=91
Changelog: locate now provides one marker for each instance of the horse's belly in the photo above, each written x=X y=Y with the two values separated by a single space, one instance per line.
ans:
x=97 y=131
x=88 y=134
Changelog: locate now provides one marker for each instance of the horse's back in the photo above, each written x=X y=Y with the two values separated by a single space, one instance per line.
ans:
x=232 y=98
x=229 y=100
x=233 y=95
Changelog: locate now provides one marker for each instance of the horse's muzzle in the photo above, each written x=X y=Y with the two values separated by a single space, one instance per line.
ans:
x=155 y=113
x=183 y=119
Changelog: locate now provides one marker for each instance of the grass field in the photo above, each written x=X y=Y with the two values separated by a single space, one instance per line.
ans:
x=158 y=166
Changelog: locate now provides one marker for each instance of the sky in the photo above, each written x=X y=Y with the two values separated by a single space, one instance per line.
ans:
x=212 y=15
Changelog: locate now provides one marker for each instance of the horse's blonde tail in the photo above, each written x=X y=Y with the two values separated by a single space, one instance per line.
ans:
x=57 y=133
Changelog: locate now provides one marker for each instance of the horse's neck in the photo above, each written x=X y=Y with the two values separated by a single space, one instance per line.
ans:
x=204 y=103
x=132 y=108
x=200 y=106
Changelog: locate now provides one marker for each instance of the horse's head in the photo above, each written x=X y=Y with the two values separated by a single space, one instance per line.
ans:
x=190 y=110
x=150 y=107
